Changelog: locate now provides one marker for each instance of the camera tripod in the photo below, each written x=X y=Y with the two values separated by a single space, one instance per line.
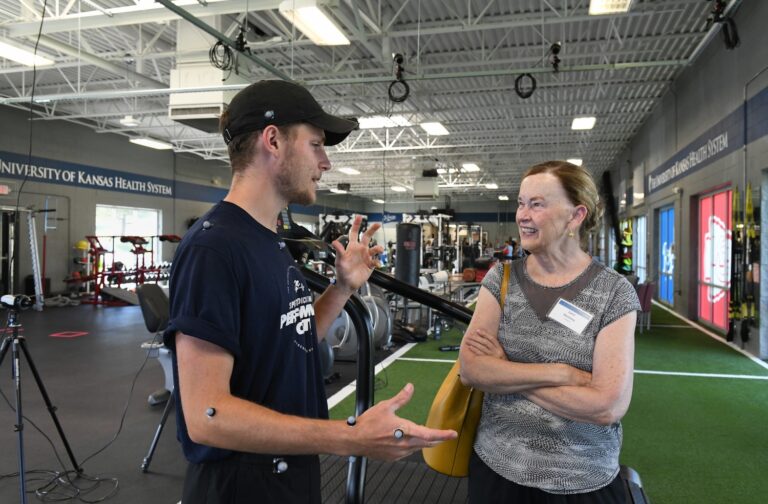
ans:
x=18 y=346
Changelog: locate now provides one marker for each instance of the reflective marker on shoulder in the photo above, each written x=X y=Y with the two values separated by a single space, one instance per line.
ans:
x=210 y=412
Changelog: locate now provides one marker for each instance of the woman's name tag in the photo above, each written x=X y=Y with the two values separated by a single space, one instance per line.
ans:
x=570 y=315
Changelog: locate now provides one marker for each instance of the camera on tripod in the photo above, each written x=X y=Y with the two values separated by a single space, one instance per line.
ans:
x=16 y=301
x=15 y=343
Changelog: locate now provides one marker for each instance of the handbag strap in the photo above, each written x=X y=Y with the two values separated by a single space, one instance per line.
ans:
x=504 y=284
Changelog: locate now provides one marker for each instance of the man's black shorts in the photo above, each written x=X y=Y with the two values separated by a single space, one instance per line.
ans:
x=250 y=478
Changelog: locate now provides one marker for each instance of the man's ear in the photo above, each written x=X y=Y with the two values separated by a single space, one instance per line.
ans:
x=270 y=139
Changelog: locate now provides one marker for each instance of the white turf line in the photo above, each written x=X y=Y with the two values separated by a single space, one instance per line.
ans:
x=419 y=359
x=702 y=375
x=713 y=336
x=638 y=371
x=350 y=388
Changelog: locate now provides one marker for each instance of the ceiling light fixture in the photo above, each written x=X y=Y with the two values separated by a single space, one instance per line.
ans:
x=503 y=197
x=152 y=144
x=458 y=184
x=23 y=56
x=583 y=123
x=599 y=7
x=491 y=186
x=307 y=17
x=470 y=167
x=434 y=128
x=576 y=161
x=129 y=121
x=337 y=191
x=379 y=201
x=397 y=188
x=377 y=122
x=136 y=6
x=349 y=171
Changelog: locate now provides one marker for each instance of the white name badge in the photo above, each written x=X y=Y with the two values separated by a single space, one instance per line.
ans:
x=570 y=315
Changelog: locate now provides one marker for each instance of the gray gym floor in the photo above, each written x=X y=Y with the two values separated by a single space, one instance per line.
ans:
x=88 y=380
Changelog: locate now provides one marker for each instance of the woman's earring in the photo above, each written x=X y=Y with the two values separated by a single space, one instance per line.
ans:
x=570 y=234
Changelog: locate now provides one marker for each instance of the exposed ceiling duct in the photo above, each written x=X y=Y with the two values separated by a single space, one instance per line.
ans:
x=199 y=110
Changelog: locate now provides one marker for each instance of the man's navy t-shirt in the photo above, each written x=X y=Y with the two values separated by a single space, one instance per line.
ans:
x=234 y=284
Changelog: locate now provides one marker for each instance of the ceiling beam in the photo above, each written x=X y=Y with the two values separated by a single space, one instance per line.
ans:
x=537 y=20
x=100 y=62
x=364 y=80
x=132 y=16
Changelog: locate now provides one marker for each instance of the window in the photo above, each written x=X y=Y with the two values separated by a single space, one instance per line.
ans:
x=625 y=264
x=600 y=251
x=114 y=222
x=667 y=254
x=639 y=250
x=612 y=247
x=310 y=226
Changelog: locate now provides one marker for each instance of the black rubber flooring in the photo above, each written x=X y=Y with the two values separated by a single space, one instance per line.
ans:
x=401 y=482
x=90 y=378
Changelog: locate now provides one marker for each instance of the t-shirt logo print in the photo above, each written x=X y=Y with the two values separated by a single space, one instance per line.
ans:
x=299 y=312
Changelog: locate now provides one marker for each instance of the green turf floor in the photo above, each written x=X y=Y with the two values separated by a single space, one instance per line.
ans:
x=690 y=351
x=426 y=378
x=698 y=440
x=691 y=439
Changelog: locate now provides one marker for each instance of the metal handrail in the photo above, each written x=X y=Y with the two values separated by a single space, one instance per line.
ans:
x=392 y=284
x=361 y=321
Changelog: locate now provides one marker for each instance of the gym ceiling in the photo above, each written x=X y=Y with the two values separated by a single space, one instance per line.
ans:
x=112 y=63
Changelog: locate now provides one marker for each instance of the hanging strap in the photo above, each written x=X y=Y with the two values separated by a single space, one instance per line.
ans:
x=504 y=284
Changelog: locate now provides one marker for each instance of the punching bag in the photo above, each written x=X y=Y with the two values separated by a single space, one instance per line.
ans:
x=408 y=253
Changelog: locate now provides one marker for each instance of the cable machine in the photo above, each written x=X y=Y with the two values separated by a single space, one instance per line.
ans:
x=470 y=240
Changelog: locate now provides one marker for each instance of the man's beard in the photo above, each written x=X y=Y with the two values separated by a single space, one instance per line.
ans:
x=289 y=183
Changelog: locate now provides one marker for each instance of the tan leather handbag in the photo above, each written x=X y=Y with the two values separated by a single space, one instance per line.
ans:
x=457 y=407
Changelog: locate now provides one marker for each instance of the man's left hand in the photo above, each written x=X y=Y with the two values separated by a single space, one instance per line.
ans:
x=355 y=263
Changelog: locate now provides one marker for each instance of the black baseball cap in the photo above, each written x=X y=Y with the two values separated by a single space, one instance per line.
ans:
x=280 y=102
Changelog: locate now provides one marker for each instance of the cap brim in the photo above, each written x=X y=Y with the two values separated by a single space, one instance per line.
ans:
x=336 y=128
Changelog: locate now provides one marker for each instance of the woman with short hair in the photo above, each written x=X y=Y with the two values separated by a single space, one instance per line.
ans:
x=555 y=358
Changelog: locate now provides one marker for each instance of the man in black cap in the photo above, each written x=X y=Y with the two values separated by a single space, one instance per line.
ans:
x=251 y=406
